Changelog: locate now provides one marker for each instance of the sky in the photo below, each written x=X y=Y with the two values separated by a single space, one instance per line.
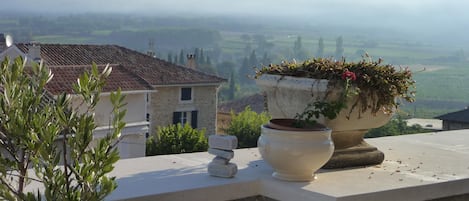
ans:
x=437 y=17
x=247 y=7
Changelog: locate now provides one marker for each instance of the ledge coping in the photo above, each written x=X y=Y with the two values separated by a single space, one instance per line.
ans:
x=416 y=167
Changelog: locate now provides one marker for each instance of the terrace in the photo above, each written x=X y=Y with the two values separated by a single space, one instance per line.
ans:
x=431 y=166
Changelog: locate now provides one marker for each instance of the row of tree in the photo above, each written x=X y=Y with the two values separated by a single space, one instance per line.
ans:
x=240 y=73
x=299 y=53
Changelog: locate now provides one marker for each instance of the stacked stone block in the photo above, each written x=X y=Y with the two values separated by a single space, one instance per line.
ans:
x=222 y=147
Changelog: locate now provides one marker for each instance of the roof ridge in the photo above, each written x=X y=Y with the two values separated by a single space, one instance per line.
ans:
x=135 y=75
x=88 y=65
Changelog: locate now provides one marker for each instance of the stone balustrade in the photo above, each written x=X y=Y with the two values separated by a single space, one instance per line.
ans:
x=433 y=166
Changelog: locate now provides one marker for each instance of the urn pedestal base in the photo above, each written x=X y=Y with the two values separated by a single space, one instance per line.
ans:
x=353 y=151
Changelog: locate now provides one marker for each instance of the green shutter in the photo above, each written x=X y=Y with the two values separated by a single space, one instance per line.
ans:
x=194 y=119
x=176 y=117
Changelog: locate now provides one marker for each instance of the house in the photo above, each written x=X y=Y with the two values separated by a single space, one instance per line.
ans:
x=158 y=93
x=455 y=120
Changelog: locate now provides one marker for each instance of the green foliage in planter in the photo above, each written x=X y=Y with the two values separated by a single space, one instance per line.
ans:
x=175 y=139
x=50 y=141
x=377 y=85
x=246 y=126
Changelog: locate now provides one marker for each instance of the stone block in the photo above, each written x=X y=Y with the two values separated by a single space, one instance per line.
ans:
x=220 y=160
x=219 y=170
x=225 y=142
x=222 y=153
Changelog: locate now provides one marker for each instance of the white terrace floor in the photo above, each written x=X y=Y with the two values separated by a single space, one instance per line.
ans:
x=416 y=167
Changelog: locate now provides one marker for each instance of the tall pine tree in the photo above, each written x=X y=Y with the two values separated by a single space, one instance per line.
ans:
x=320 y=52
x=253 y=59
x=170 y=58
x=232 y=87
x=181 y=58
x=339 y=48
x=245 y=70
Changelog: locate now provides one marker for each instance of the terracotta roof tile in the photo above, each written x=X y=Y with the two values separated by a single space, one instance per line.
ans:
x=152 y=70
x=66 y=76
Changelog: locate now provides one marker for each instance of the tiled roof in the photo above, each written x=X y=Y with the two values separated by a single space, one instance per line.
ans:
x=66 y=76
x=152 y=70
x=459 y=116
x=256 y=102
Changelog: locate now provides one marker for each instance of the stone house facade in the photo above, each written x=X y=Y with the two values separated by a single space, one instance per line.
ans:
x=157 y=92
x=198 y=109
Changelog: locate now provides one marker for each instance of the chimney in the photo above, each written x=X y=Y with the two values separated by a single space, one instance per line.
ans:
x=34 y=52
x=191 y=63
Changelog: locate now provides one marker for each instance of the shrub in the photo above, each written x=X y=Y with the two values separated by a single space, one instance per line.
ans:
x=176 y=139
x=246 y=126
x=397 y=126
x=37 y=133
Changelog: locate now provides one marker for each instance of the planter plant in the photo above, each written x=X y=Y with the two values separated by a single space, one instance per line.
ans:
x=348 y=97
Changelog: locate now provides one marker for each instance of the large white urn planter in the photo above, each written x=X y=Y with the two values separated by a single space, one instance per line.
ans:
x=287 y=96
x=295 y=155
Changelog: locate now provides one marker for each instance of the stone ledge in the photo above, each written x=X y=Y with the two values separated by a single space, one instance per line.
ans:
x=416 y=167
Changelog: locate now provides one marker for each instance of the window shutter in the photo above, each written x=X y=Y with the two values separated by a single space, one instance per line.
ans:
x=194 y=119
x=176 y=117
x=186 y=94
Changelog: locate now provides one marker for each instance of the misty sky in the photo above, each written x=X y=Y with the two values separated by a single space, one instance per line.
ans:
x=411 y=8
x=448 y=16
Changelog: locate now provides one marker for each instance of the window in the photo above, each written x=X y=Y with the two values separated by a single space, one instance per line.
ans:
x=183 y=118
x=180 y=117
x=186 y=94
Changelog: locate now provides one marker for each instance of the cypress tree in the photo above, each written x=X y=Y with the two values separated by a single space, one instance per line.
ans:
x=339 y=49
x=320 y=52
x=181 y=58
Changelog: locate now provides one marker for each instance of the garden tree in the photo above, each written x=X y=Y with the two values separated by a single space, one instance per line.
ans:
x=229 y=91
x=196 y=55
x=225 y=68
x=253 y=59
x=298 y=51
x=175 y=139
x=397 y=126
x=246 y=126
x=175 y=59
x=262 y=43
x=170 y=58
x=216 y=52
x=460 y=56
x=207 y=66
x=182 y=60
x=339 y=48
x=247 y=49
x=244 y=71
x=320 y=52
x=360 y=53
x=266 y=60
x=53 y=137
x=245 y=37
x=200 y=59
x=232 y=87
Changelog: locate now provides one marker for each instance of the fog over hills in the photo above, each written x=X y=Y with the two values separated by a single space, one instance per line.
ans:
x=420 y=18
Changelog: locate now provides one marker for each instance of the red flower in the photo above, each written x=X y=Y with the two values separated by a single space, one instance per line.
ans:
x=349 y=75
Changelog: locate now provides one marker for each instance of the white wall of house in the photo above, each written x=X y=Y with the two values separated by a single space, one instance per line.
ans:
x=133 y=137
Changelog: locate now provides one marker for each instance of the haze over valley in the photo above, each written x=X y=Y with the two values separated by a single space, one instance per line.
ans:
x=430 y=35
